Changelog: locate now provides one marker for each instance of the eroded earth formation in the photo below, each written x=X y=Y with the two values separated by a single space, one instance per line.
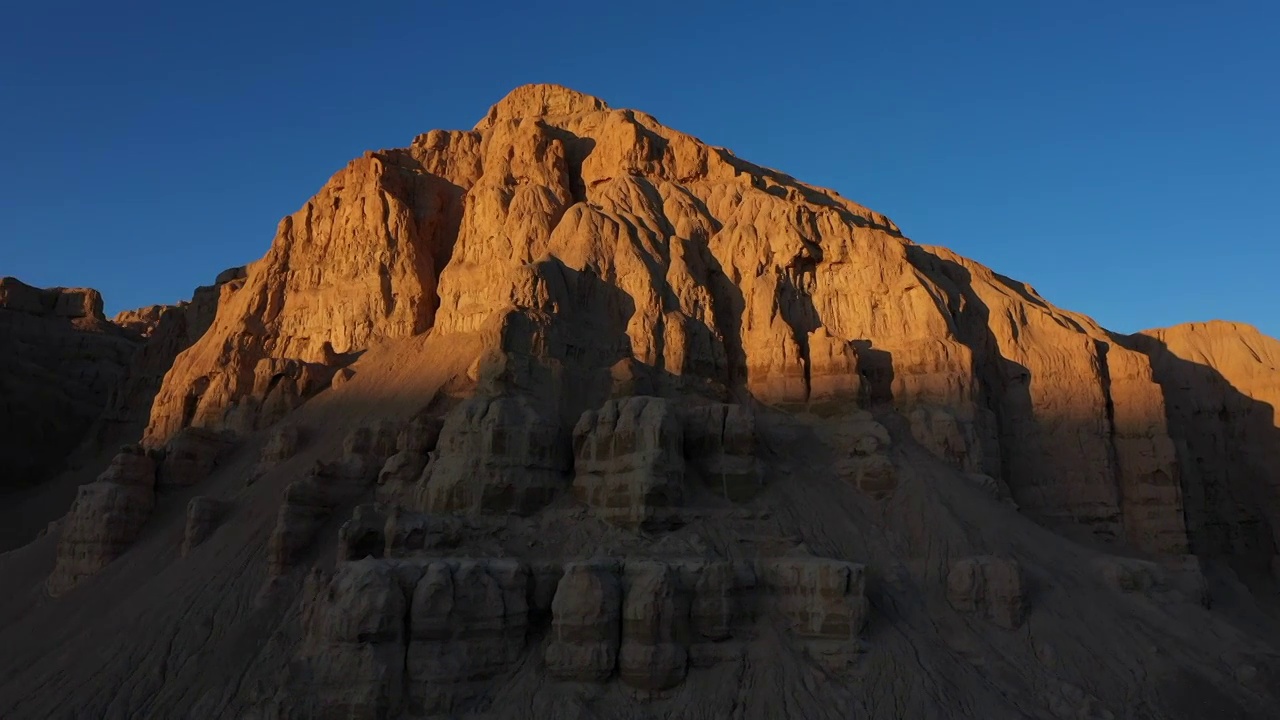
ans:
x=573 y=415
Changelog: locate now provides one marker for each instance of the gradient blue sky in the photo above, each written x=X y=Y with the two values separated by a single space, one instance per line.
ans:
x=1121 y=157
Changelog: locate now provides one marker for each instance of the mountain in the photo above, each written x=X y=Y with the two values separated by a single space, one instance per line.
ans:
x=574 y=415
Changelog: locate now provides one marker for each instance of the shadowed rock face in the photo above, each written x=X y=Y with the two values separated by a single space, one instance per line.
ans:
x=59 y=361
x=1221 y=389
x=574 y=415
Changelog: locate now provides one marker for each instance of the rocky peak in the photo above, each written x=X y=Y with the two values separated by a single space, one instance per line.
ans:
x=70 y=303
x=578 y=386
x=538 y=99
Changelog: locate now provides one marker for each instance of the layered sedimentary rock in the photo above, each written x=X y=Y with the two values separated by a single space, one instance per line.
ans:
x=351 y=663
x=1179 y=580
x=630 y=462
x=413 y=449
x=1221 y=388
x=191 y=456
x=496 y=455
x=380 y=228
x=105 y=519
x=467 y=624
x=430 y=636
x=584 y=237
x=724 y=596
x=59 y=363
x=166 y=331
x=862 y=446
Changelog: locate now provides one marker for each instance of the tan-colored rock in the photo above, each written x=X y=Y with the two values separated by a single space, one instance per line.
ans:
x=1179 y=580
x=364 y=534
x=376 y=228
x=409 y=533
x=1221 y=386
x=833 y=370
x=586 y=623
x=105 y=519
x=402 y=470
x=167 y=330
x=630 y=462
x=282 y=444
x=725 y=594
x=989 y=586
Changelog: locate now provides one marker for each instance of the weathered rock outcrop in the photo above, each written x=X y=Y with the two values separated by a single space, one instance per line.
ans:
x=586 y=622
x=381 y=227
x=351 y=663
x=584 y=237
x=467 y=624
x=1221 y=387
x=414 y=447
x=427 y=636
x=630 y=462
x=105 y=519
x=654 y=650
x=60 y=358
x=166 y=331
x=720 y=442
x=496 y=455
x=309 y=502
x=191 y=456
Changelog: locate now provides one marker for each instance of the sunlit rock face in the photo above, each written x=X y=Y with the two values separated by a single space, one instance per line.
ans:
x=571 y=231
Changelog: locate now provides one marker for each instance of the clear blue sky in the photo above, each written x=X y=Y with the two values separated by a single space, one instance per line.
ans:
x=1121 y=157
